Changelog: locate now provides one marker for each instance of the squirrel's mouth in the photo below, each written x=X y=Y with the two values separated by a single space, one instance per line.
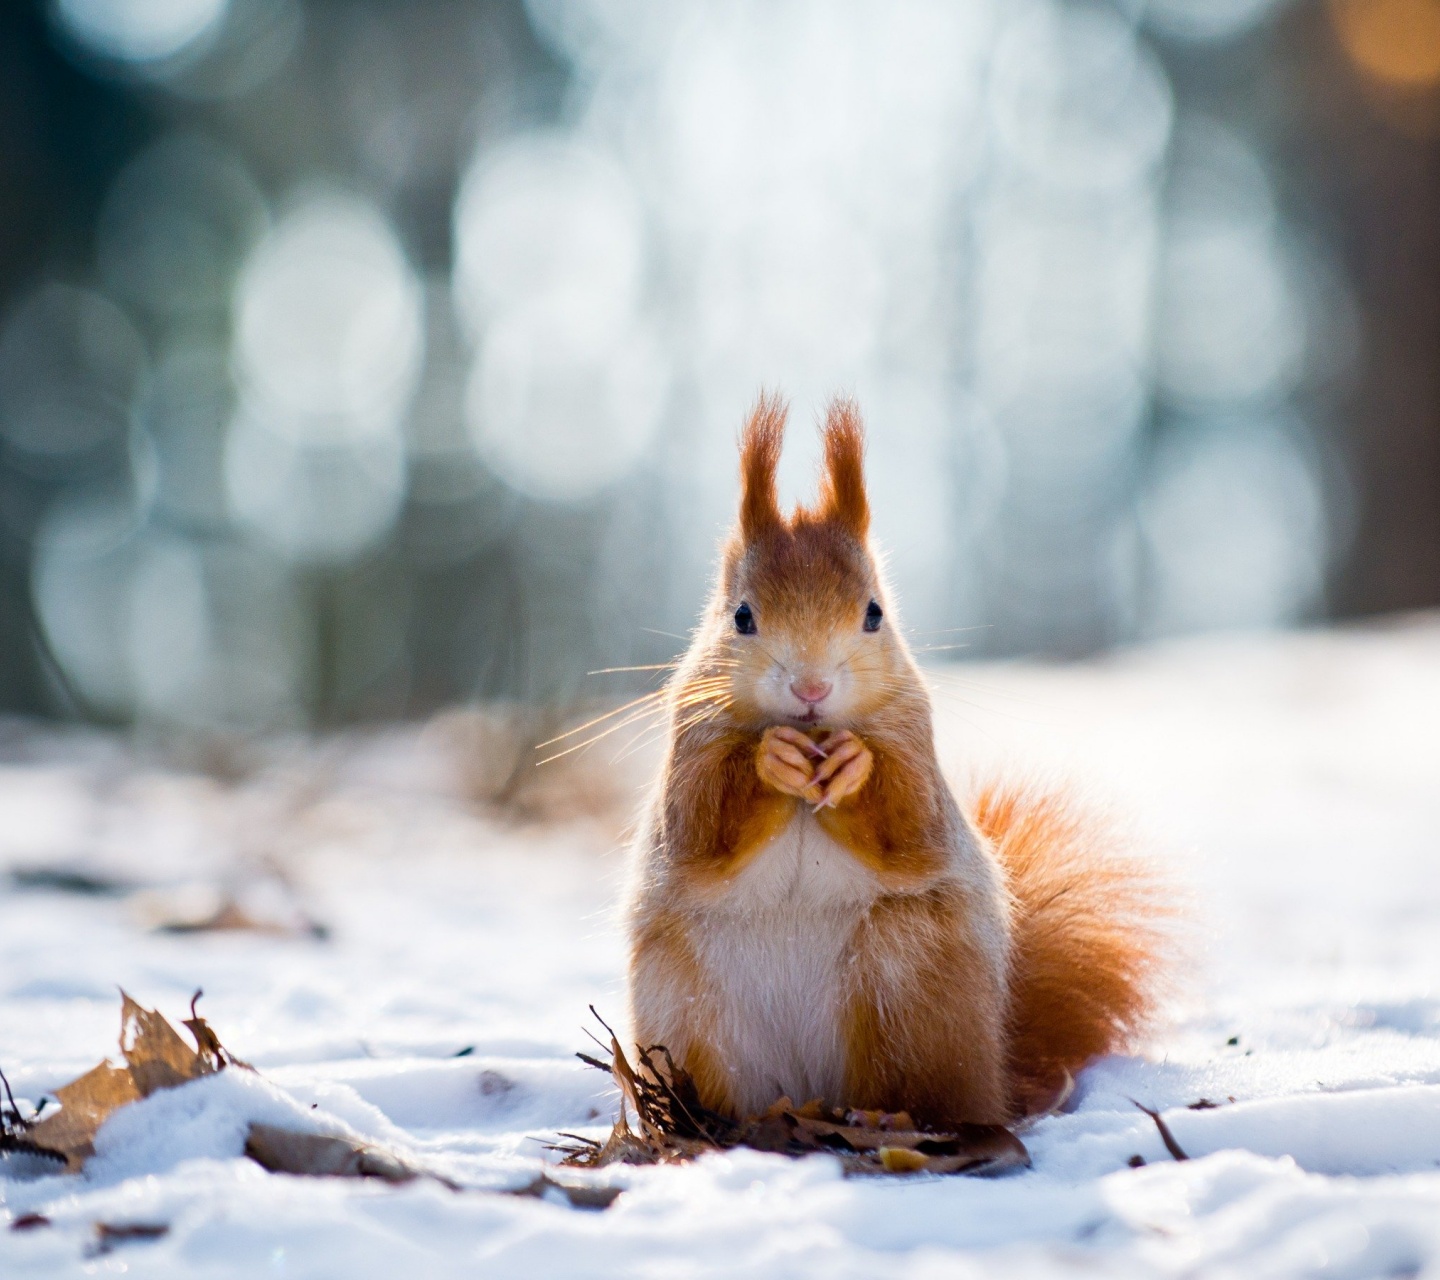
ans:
x=812 y=716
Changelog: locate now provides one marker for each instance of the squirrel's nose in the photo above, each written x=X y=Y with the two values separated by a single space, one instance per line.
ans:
x=808 y=689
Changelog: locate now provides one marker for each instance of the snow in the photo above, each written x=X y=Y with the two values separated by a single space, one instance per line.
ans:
x=1293 y=782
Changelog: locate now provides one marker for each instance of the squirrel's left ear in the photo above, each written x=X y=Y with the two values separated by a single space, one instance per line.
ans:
x=842 y=490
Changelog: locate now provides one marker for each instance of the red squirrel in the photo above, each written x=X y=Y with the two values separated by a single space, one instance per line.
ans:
x=812 y=914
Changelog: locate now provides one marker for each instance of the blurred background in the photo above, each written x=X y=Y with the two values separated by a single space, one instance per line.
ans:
x=361 y=357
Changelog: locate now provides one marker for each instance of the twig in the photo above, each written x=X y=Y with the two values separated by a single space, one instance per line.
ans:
x=1168 y=1138
x=14 y=1110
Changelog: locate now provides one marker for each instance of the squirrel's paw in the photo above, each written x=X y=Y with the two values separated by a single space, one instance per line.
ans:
x=847 y=764
x=785 y=760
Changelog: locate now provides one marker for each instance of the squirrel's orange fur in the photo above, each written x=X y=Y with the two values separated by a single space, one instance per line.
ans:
x=813 y=914
x=1087 y=927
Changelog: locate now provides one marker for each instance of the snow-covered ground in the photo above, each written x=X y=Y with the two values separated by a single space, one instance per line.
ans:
x=1294 y=782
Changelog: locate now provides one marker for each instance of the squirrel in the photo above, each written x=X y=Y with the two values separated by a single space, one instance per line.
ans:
x=812 y=915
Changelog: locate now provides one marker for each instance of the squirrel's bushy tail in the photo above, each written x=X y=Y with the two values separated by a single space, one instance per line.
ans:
x=1091 y=933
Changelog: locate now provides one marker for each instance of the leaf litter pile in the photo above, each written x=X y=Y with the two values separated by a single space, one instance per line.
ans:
x=155 y=1056
x=672 y=1125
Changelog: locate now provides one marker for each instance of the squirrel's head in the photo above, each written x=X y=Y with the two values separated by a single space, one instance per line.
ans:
x=801 y=624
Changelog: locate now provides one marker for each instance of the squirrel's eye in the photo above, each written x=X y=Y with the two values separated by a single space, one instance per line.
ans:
x=744 y=620
x=873 y=614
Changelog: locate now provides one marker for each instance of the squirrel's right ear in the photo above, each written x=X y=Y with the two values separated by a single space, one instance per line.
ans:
x=760 y=444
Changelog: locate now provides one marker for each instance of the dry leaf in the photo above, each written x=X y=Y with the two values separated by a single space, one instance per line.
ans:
x=901 y=1160
x=204 y=908
x=84 y=1105
x=576 y=1196
x=880 y=1119
x=318 y=1155
x=207 y=1042
x=155 y=1058
x=158 y=1058
x=109 y=1234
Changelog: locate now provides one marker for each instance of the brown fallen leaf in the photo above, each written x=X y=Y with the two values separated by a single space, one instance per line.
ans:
x=229 y=916
x=978 y=1148
x=109 y=1234
x=207 y=1042
x=317 y=1155
x=672 y=1124
x=84 y=1105
x=156 y=1055
x=901 y=1160
x=577 y=1196
x=322 y=1156
x=155 y=1058
x=877 y=1119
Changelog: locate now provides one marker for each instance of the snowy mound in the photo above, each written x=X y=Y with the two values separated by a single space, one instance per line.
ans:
x=410 y=967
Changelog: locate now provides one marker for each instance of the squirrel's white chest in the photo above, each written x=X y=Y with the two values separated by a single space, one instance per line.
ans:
x=776 y=947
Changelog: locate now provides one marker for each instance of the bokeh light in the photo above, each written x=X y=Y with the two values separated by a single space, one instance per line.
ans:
x=217 y=636
x=329 y=340
x=176 y=224
x=70 y=361
x=1396 y=41
x=436 y=396
x=1076 y=100
x=1233 y=520
x=178 y=437
x=1231 y=327
x=84 y=561
x=1206 y=21
x=148 y=624
x=256 y=40
x=328 y=323
x=546 y=224
x=569 y=381
x=314 y=503
x=559 y=416
x=139 y=30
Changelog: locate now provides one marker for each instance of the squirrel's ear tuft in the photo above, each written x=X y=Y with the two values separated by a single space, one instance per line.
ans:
x=760 y=444
x=842 y=489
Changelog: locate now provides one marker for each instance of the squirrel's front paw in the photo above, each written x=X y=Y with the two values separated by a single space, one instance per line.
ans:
x=846 y=766
x=785 y=760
